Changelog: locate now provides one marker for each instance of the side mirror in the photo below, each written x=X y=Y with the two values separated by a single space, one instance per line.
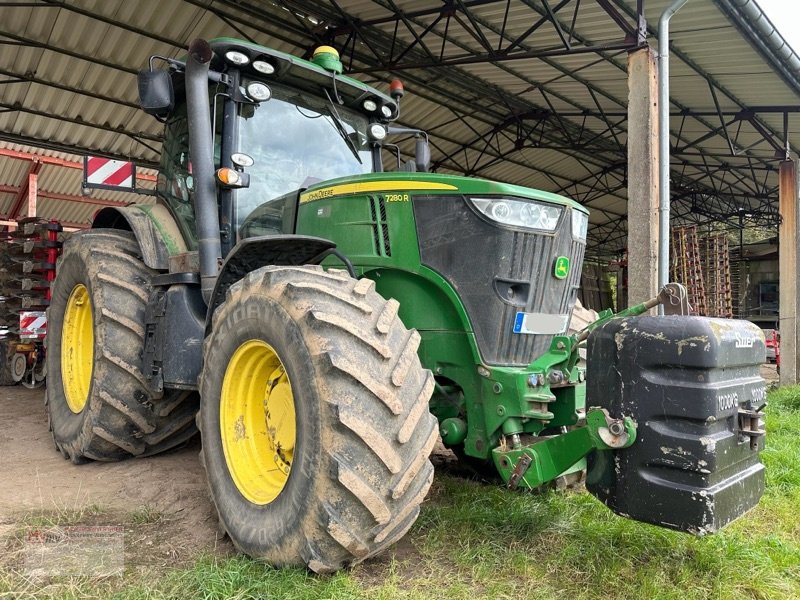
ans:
x=422 y=154
x=156 y=96
x=422 y=151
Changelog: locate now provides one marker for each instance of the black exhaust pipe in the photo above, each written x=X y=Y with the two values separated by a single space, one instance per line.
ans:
x=201 y=148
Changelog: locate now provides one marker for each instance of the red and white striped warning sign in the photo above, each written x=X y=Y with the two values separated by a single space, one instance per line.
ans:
x=101 y=172
x=33 y=324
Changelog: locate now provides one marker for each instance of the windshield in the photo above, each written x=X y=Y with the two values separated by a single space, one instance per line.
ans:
x=295 y=140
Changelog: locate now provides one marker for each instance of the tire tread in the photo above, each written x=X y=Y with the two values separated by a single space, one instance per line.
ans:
x=374 y=407
x=122 y=417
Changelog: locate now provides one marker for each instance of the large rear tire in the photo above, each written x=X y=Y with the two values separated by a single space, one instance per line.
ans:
x=314 y=418
x=99 y=403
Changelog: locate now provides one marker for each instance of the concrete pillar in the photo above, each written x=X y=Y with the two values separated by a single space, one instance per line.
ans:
x=642 y=175
x=788 y=302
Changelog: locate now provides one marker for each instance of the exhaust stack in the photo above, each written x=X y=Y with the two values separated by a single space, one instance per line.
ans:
x=201 y=148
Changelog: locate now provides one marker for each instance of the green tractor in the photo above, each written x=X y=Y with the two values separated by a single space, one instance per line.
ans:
x=323 y=321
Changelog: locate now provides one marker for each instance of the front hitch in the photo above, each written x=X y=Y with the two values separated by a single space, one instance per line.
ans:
x=548 y=394
x=672 y=297
x=674 y=424
x=549 y=456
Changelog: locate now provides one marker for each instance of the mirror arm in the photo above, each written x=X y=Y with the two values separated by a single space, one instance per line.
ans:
x=175 y=64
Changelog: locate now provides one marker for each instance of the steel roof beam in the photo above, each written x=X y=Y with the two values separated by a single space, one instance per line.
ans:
x=23 y=190
x=551 y=12
x=535 y=84
x=496 y=57
x=32 y=43
x=688 y=61
x=642 y=27
x=79 y=121
x=627 y=29
x=96 y=16
x=29 y=78
x=712 y=175
x=590 y=88
x=483 y=149
x=72 y=149
x=59 y=162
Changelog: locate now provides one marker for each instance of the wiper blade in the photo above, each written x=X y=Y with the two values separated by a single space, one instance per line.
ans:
x=336 y=120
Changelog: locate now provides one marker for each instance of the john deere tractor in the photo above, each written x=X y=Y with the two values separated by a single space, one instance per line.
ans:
x=331 y=316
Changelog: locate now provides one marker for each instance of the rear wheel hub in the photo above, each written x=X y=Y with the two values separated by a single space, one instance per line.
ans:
x=77 y=342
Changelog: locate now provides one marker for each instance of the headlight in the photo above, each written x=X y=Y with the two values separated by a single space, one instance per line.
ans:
x=259 y=92
x=377 y=131
x=386 y=111
x=519 y=213
x=580 y=225
x=237 y=58
x=370 y=105
x=263 y=66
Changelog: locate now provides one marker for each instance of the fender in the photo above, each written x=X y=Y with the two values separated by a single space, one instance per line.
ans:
x=154 y=227
x=253 y=253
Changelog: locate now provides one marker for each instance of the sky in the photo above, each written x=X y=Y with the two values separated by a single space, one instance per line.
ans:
x=785 y=15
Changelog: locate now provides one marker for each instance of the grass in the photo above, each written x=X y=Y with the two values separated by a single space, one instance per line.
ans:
x=61 y=517
x=478 y=541
x=145 y=515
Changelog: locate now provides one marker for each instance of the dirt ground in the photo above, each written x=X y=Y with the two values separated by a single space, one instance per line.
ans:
x=35 y=478
x=770 y=374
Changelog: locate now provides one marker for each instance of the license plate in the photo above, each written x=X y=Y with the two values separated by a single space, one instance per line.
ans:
x=540 y=323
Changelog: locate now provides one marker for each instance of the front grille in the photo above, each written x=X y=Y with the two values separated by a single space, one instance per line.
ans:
x=380 y=226
x=471 y=254
x=387 y=248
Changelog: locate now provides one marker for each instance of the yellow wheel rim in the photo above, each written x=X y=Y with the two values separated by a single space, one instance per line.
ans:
x=257 y=422
x=77 y=348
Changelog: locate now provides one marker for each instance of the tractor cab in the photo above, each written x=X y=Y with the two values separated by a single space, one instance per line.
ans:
x=280 y=124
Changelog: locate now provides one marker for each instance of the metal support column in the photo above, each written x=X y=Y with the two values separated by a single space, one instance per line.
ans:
x=789 y=207
x=642 y=175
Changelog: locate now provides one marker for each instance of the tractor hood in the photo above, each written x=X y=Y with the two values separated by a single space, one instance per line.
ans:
x=429 y=184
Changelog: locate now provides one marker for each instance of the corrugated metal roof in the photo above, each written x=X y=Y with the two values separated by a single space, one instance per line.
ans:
x=76 y=62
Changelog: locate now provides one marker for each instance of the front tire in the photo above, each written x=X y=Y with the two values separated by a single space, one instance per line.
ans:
x=99 y=403
x=340 y=474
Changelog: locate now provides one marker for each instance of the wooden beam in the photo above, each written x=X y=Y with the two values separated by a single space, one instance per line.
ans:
x=33 y=189
x=22 y=194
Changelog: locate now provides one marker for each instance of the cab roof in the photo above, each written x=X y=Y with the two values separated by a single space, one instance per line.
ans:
x=300 y=73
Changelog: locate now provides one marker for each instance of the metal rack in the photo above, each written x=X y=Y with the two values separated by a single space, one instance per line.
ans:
x=686 y=266
x=717 y=276
x=27 y=268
